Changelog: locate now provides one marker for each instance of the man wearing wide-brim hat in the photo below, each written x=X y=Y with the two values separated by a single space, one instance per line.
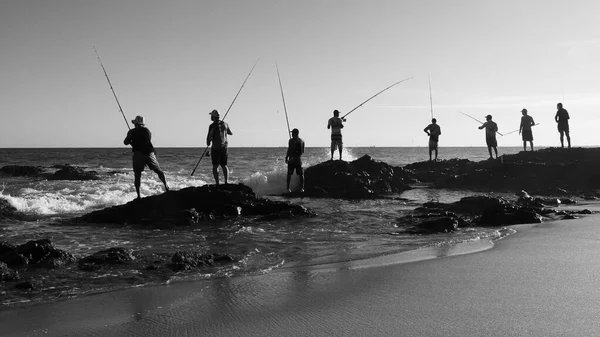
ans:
x=143 y=153
x=217 y=136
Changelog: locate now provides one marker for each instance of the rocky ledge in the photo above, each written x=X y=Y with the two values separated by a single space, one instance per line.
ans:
x=191 y=205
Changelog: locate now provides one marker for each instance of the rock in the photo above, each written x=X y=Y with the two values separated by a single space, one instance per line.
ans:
x=7 y=274
x=14 y=259
x=20 y=171
x=567 y=201
x=191 y=205
x=74 y=173
x=499 y=218
x=8 y=211
x=363 y=178
x=434 y=225
x=29 y=285
x=42 y=253
x=111 y=256
x=188 y=260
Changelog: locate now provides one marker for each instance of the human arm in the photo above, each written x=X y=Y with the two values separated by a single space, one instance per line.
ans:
x=288 y=154
x=229 y=130
x=128 y=139
x=209 y=135
x=556 y=117
x=426 y=130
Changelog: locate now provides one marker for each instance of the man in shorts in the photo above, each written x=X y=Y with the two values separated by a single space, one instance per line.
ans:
x=336 y=126
x=490 y=135
x=525 y=129
x=562 y=118
x=434 y=131
x=294 y=160
x=217 y=135
x=143 y=153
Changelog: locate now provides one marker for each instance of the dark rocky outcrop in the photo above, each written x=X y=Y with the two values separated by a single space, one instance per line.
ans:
x=74 y=173
x=551 y=171
x=7 y=274
x=8 y=211
x=189 y=260
x=37 y=253
x=21 y=171
x=190 y=205
x=359 y=179
x=111 y=256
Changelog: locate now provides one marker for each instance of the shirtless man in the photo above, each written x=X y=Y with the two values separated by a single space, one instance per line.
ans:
x=562 y=119
x=525 y=129
x=294 y=160
x=434 y=131
x=336 y=126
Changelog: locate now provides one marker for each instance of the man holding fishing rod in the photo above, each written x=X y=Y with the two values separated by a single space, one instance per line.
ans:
x=293 y=158
x=525 y=129
x=217 y=135
x=143 y=153
x=336 y=125
x=434 y=131
x=490 y=135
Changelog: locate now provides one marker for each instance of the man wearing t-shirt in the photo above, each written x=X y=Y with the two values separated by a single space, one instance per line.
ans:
x=217 y=135
x=293 y=158
x=490 y=135
x=525 y=129
x=336 y=126
x=562 y=120
x=434 y=131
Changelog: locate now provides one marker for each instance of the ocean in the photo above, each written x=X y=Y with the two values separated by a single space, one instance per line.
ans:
x=343 y=231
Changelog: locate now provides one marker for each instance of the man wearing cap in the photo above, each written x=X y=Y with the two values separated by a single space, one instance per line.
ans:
x=562 y=118
x=217 y=135
x=294 y=160
x=490 y=135
x=143 y=153
x=336 y=126
x=525 y=129
x=434 y=131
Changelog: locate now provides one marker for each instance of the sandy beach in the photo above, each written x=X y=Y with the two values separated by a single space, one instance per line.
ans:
x=541 y=281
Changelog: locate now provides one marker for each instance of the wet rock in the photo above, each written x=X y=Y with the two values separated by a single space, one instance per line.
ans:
x=14 y=259
x=8 y=211
x=567 y=201
x=111 y=256
x=188 y=260
x=20 y=171
x=7 y=274
x=495 y=217
x=363 y=178
x=29 y=285
x=569 y=217
x=191 y=205
x=74 y=173
x=434 y=225
x=42 y=253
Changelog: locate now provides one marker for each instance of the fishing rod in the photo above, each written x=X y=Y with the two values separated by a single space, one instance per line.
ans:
x=430 y=97
x=111 y=88
x=518 y=130
x=475 y=119
x=370 y=98
x=230 y=105
x=283 y=98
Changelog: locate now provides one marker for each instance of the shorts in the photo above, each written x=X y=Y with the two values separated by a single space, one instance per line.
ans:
x=140 y=161
x=527 y=135
x=433 y=144
x=336 y=142
x=563 y=127
x=295 y=164
x=219 y=156
x=491 y=141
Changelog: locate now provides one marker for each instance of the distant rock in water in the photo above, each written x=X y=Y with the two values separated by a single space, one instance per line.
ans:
x=74 y=173
x=38 y=253
x=551 y=171
x=8 y=211
x=20 y=171
x=191 y=205
x=359 y=179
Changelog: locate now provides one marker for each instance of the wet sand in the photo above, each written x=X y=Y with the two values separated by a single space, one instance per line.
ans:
x=542 y=281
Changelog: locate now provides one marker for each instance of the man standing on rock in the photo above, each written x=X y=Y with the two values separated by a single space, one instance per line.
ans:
x=490 y=135
x=433 y=131
x=562 y=118
x=294 y=160
x=143 y=153
x=336 y=126
x=525 y=129
x=217 y=135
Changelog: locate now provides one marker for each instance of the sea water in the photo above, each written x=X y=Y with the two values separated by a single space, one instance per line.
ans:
x=342 y=231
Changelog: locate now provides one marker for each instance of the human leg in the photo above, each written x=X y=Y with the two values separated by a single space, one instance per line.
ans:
x=154 y=166
x=225 y=173
x=562 y=138
x=216 y=173
x=436 y=154
x=524 y=145
x=137 y=182
x=496 y=151
x=340 y=148
x=490 y=152
x=568 y=138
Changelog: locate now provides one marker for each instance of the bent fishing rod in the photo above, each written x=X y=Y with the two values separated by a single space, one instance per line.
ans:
x=111 y=88
x=430 y=97
x=283 y=98
x=475 y=119
x=370 y=98
x=230 y=105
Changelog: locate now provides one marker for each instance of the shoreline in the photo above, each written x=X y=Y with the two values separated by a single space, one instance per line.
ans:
x=539 y=281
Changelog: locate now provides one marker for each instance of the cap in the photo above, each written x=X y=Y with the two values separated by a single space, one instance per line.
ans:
x=488 y=117
x=215 y=113
x=139 y=120
x=524 y=110
x=295 y=131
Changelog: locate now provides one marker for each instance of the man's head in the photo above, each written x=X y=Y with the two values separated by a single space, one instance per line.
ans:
x=524 y=111
x=488 y=117
x=214 y=115
x=295 y=133
x=433 y=120
x=336 y=113
x=138 y=121
x=559 y=105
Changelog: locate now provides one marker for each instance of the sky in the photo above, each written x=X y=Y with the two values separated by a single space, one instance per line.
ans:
x=175 y=61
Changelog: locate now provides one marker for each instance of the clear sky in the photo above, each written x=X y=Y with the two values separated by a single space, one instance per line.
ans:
x=174 y=61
